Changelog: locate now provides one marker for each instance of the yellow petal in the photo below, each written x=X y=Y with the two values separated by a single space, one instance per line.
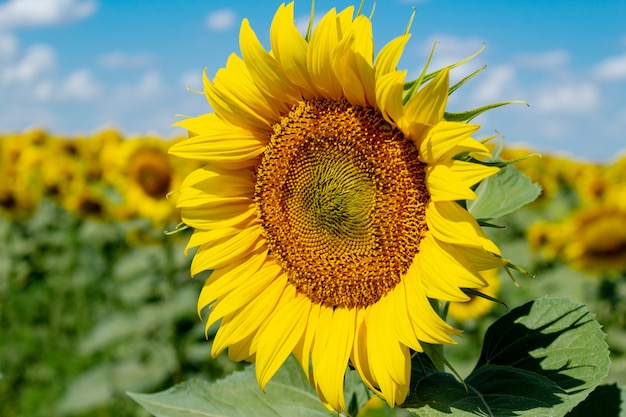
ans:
x=266 y=71
x=443 y=276
x=471 y=173
x=447 y=139
x=241 y=323
x=280 y=333
x=427 y=324
x=229 y=215
x=389 y=359
x=242 y=85
x=226 y=280
x=204 y=237
x=444 y=185
x=425 y=109
x=290 y=49
x=218 y=141
x=396 y=302
x=324 y=40
x=329 y=373
x=302 y=350
x=359 y=356
x=226 y=250
x=225 y=183
x=231 y=109
x=451 y=223
x=389 y=95
x=389 y=56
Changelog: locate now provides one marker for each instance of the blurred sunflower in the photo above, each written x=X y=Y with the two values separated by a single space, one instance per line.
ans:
x=597 y=239
x=144 y=177
x=21 y=158
x=547 y=238
x=327 y=209
x=477 y=306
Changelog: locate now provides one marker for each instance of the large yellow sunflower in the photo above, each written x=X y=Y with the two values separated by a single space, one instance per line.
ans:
x=327 y=209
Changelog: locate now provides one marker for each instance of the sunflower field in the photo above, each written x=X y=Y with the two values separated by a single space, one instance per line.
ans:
x=95 y=295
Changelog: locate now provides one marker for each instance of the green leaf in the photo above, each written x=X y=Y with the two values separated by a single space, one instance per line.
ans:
x=603 y=401
x=502 y=194
x=287 y=394
x=540 y=359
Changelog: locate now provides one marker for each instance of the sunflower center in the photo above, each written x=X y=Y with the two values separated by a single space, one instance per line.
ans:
x=342 y=199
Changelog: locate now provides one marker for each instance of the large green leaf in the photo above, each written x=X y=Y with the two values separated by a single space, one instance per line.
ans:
x=605 y=401
x=287 y=394
x=502 y=194
x=540 y=359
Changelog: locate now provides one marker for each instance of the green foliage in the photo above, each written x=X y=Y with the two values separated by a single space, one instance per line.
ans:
x=540 y=359
x=287 y=394
x=91 y=309
x=502 y=194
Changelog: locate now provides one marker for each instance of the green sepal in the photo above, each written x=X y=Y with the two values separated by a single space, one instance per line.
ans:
x=468 y=115
x=487 y=224
x=466 y=79
x=475 y=293
x=411 y=87
x=179 y=228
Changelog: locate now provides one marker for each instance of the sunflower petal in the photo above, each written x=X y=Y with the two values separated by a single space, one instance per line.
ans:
x=290 y=49
x=329 y=372
x=444 y=185
x=389 y=56
x=287 y=324
x=450 y=223
x=425 y=109
x=324 y=40
x=447 y=139
x=266 y=71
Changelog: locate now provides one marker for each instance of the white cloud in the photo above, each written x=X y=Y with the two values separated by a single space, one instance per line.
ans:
x=43 y=90
x=568 y=98
x=151 y=84
x=221 y=20
x=37 y=60
x=80 y=85
x=8 y=47
x=33 y=13
x=496 y=83
x=191 y=79
x=611 y=69
x=125 y=61
x=449 y=49
x=545 y=60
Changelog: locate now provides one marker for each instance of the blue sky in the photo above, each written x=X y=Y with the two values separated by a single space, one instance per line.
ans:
x=77 y=66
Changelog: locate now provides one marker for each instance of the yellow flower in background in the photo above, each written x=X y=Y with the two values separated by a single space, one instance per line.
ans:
x=597 y=239
x=21 y=158
x=477 y=306
x=144 y=174
x=548 y=238
x=327 y=209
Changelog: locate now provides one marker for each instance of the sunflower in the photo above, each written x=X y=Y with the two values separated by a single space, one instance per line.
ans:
x=328 y=208
x=144 y=174
x=477 y=306
x=597 y=241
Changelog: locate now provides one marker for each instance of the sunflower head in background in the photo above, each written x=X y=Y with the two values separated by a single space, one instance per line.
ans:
x=328 y=206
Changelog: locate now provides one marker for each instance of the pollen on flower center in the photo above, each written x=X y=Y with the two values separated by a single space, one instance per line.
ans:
x=342 y=199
